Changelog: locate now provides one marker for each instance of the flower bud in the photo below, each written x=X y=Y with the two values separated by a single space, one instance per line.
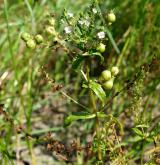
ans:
x=106 y=75
x=115 y=70
x=39 y=38
x=31 y=44
x=25 y=36
x=108 y=84
x=111 y=17
x=101 y=48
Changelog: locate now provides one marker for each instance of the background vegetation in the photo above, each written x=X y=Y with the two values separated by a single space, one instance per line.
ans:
x=32 y=112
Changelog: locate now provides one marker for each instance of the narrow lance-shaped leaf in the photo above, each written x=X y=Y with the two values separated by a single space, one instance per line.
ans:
x=138 y=132
x=78 y=116
x=82 y=116
x=142 y=126
x=98 y=90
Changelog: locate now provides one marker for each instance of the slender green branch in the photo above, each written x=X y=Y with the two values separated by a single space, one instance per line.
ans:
x=76 y=102
x=8 y=36
x=94 y=107
x=32 y=15
x=107 y=30
x=123 y=52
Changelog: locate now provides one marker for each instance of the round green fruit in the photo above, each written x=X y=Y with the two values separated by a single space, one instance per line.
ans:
x=106 y=75
x=25 y=36
x=39 y=38
x=31 y=44
x=51 y=21
x=111 y=17
x=101 y=48
x=115 y=70
x=50 y=30
x=108 y=84
x=101 y=79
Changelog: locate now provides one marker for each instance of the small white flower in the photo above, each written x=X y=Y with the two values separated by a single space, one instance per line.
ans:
x=87 y=23
x=94 y=10
x=81 y=22
x=67 y=29
x=101 y=35
x=62 y=20
x=70 y=15
x=84 y=22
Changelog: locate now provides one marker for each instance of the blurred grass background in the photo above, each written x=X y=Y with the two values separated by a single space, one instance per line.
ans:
x=28 y=99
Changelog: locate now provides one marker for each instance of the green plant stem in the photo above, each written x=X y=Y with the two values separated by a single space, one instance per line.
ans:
x=76 y=102
x=94 y=110
x=123 y=52
x=106 y=29
x=17 y=149
x=30 y=109
x=97 y=128
x=9 y=37
x=30 y=144
x=32 y=16
x=142 y=153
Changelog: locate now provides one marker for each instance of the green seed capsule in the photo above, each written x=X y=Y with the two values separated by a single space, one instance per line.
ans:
x=39 y=38
x=101 y=79
x=108 y=84
x=111 y=17
x=25 y=36
x=51 y=21
x=50 y=30
x=101 y=47
x=106 y=75
x=115 y=70
x=31 y=44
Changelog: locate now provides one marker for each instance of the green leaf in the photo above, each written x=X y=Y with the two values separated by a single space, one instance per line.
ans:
x=79 y=58
x=134 y=139
x=98 y=90
x=85 y=85
x=77 y=116
x=82 y=116
x=77 y=61
x=149 y=139
x=142 y=126
x=138 y=132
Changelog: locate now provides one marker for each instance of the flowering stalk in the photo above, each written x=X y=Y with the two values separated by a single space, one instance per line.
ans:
x=83 y=39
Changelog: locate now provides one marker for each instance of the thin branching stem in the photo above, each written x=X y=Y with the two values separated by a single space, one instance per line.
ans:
x=94 y=110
